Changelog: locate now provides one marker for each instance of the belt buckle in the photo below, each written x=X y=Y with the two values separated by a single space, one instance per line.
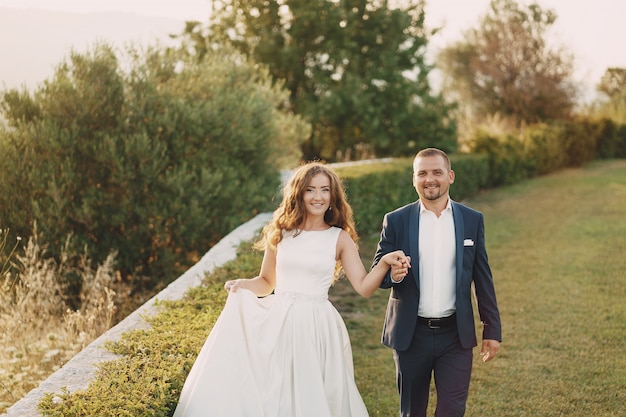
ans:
x=432 y=325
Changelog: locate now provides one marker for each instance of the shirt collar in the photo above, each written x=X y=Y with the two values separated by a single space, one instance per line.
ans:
x=448 y=206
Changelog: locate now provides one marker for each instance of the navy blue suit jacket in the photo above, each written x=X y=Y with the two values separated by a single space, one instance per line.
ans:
x=401 y=231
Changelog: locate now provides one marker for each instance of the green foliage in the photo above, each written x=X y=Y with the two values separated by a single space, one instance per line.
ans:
x=579 y=142
x=345 y=64
x=471 y=175
x=607 y=133
x=613 y=83
x=150 y=373
x=155 y=155
x=620 y=148
x=374 y=189
x=505 y=157
x=544 y=148
x=611 y=137
x=506 y=67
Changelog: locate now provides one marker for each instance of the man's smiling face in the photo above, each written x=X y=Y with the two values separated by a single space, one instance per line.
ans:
x=432 y=177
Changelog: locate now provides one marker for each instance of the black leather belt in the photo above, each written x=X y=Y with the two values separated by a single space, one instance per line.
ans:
x=437 y=323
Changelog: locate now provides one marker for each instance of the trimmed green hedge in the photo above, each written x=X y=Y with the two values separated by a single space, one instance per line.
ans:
x=544 y=148
x=374 y=189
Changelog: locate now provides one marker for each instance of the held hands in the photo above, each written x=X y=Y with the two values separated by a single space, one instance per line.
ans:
x=399 y=263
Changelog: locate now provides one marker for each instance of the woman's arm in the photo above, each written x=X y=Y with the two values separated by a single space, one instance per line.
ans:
x=264 y=283
x=363 y=282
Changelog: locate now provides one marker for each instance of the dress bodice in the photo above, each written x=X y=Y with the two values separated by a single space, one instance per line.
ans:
x=305 y=262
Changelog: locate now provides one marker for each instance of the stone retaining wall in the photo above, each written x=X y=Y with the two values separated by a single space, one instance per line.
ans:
x=80 y=370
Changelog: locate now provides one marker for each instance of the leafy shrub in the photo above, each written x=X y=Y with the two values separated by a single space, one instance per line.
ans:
x=471 y=175
x=608 y=140
x=155 y=156
x=611 y=137
x=543 y=148
x=620 y=148
x=376 y=188
x=579 y=142
x=505 y=156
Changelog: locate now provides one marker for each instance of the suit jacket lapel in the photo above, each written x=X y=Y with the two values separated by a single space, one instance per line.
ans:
x=414 y=232
x=459 y=233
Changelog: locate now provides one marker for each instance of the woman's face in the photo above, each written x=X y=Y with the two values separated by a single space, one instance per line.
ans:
x=317 y=195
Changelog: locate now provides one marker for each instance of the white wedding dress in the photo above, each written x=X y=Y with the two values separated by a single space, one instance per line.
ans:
x=284 y=355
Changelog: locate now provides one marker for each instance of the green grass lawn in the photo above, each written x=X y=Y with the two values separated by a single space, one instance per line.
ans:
x=557 y=250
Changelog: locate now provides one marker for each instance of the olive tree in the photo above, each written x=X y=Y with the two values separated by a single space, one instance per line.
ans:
x=152 y=153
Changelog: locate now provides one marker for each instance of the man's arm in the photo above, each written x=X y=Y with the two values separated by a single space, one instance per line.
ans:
x=485 y=290
x=386 y=244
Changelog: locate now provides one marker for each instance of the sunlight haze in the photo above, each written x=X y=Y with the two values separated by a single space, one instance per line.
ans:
x=592 y=31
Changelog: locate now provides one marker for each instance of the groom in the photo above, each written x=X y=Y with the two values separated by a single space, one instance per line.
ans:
x=429 y=322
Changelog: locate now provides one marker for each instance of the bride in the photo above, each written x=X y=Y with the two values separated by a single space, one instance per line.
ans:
x=279 y=347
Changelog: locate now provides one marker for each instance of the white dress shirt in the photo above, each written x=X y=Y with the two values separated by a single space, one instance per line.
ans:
x=437 y=263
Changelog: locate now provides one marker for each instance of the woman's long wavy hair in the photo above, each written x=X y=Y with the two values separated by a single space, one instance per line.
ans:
x=291 y=212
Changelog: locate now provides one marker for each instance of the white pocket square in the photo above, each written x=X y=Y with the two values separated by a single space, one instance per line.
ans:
x=468 y=242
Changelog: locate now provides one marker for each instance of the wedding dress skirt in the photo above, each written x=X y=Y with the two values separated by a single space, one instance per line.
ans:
x=284 y=355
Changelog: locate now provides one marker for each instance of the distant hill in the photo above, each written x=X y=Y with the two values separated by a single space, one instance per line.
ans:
x=34 y=42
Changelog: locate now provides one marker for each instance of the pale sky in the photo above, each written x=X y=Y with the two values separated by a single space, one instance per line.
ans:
x=176 y=9
x=594 y=31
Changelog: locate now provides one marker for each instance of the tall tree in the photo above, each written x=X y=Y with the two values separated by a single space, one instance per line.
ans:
x=355 y=69
x=506 y=67
x=613 y=85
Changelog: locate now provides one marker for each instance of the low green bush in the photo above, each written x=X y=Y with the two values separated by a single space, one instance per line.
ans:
x=548 y=147
x=620 y=148
x=374 y=189
x=608 y=140
x=579 y=142
x=155 y=155
x=505 y=156
x=543 y=149
x=471 y=175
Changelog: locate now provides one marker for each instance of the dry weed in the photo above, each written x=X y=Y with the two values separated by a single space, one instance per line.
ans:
x=40 y=332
